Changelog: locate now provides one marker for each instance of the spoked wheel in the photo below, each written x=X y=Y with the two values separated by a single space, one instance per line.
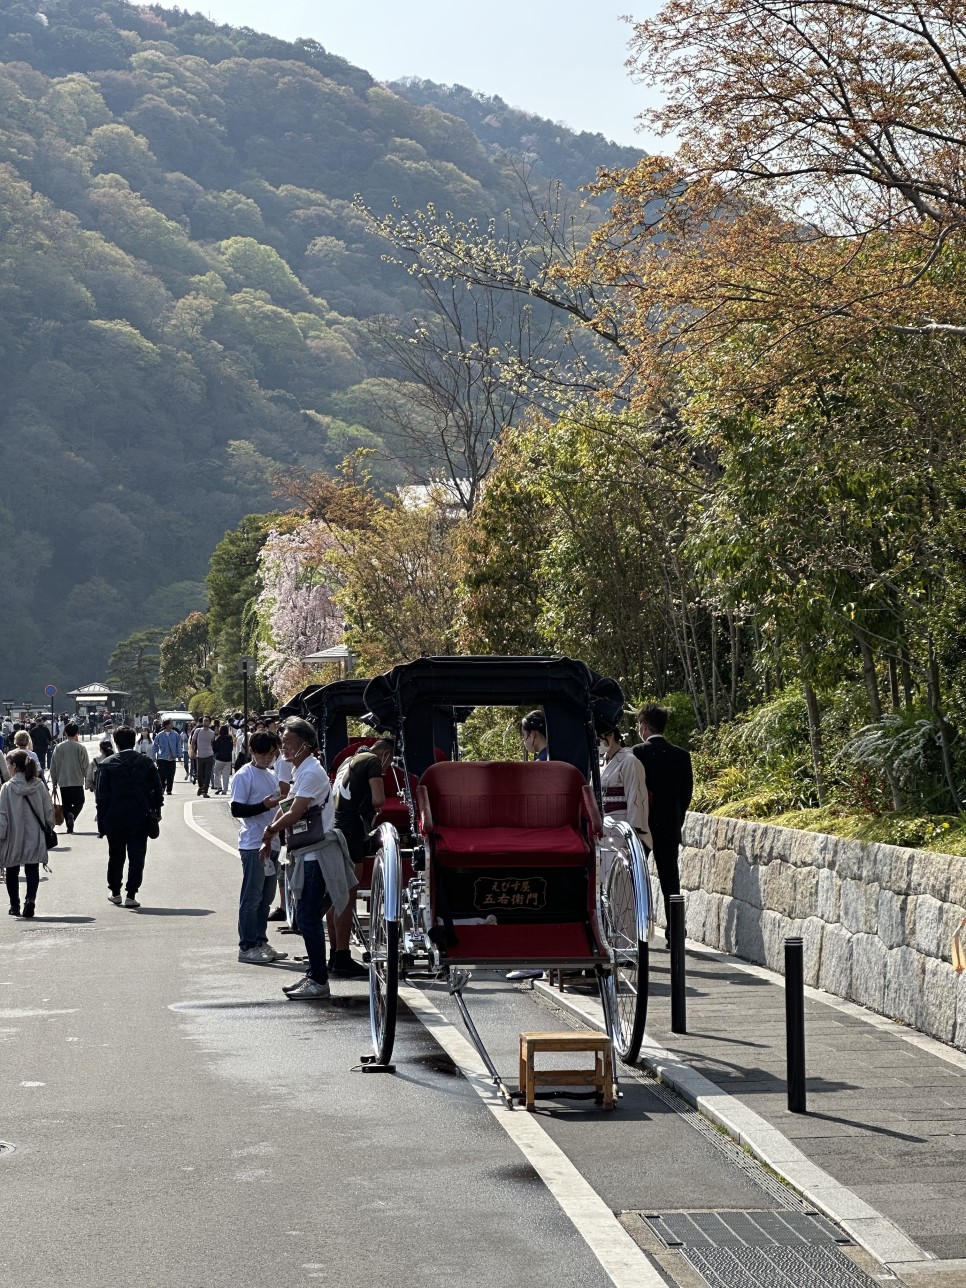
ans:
x=359 y=930
x=383 y=969
x=290 y=902
x=625 y=985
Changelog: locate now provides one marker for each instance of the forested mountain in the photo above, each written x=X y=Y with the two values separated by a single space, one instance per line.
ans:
x=183 y=287
x=548 y=146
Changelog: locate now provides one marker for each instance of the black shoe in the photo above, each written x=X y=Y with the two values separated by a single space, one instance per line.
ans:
x=277 y=914
x=14 y=911
x=69 y=821
x=289 y=930
x=28 y=909
x=351 y=971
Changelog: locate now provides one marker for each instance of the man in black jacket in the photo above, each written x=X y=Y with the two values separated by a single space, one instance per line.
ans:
x=128 y=795
x=670 y=782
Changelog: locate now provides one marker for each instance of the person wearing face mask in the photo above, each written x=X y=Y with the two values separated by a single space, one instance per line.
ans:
x=312 y=812
x=623 y=783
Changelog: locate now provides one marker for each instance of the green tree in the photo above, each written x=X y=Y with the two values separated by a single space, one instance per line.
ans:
x=134 y=666
x=185 y=658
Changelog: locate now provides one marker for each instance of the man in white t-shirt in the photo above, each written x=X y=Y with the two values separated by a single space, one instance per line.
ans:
x=254 y=797
x=310 y=792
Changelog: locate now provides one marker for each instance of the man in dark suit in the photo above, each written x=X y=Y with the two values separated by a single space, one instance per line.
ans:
x=670 y=782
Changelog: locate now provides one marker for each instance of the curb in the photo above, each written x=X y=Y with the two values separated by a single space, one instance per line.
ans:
x=879 y=1236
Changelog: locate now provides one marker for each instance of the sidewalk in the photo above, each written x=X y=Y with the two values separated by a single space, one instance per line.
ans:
x=882 y=1149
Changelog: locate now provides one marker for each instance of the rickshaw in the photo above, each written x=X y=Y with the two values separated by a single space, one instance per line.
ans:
x=517 y=867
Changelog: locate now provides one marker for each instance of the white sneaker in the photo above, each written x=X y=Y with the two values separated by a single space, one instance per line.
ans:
x=308 y=991
x=526 y=974
x=131 y=902
x=253 y=956
x=271 y=954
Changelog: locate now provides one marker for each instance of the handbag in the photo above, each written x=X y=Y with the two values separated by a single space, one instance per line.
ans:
x=58 y=810
x=308 y=832
x=51 y=838
x=154 y=826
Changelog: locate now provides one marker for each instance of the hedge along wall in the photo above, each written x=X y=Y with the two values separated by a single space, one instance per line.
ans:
x=877 y=920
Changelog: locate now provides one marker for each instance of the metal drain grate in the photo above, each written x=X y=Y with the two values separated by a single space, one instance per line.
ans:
x=733 y=1229
x=822 y=1267
x=731 y=1249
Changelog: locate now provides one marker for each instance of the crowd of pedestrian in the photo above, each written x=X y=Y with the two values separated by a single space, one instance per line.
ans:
x=276 y=785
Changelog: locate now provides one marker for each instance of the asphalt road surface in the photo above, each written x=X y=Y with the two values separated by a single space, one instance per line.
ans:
x=178 y=1123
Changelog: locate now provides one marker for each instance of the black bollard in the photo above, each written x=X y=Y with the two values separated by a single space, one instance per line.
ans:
x=795 y=1023
x=679 y=1005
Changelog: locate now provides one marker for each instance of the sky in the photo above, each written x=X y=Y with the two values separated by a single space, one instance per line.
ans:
x=562 y=59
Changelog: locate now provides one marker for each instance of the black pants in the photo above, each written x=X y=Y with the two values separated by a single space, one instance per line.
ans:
x=132 y=844
x=205 y=765
x=166 y=772
x=666 y=861
x=13 y=883
x=72 y=799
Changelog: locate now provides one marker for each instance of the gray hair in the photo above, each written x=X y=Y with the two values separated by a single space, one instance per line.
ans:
x=302 y=729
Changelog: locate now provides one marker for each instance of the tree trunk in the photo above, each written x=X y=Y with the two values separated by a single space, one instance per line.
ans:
x=815 y=738
x=735 y=635
x=907 y=686
x=942 y=728
x=875 y=702
x=894 y=683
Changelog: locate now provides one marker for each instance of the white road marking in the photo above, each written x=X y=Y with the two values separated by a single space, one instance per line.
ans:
x=625 y=1263
x=876 y=1233
x=196 y=827
x=25 y=1013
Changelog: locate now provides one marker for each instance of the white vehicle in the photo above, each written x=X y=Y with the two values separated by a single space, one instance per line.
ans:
x=179 y=719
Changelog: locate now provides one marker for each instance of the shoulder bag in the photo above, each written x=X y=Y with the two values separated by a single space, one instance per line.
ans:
x=308 y=832
x=51 y=838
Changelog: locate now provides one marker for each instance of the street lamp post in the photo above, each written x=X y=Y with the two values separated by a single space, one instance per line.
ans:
x=246 y=667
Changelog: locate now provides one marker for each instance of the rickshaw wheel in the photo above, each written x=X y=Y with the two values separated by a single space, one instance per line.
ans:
x=626 y=983
x=383 y=969
x=289 y=900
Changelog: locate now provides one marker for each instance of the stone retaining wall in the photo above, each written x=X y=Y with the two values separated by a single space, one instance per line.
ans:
x=877 y=920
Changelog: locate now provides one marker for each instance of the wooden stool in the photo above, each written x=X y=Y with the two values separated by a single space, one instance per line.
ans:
x=601 y=1077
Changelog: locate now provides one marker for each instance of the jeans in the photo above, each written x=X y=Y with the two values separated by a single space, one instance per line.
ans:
x=187 y=765
x=132 y=844
x=166 y=774
x=13 y=883
x=312 y=921
x=221 y=775
x=205 y=765
x=254 y=905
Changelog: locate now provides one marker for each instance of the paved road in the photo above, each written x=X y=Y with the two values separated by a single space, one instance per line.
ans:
x=178 y=1123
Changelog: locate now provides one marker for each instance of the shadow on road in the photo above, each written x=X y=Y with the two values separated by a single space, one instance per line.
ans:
x=63 y=921
x=176 y=912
